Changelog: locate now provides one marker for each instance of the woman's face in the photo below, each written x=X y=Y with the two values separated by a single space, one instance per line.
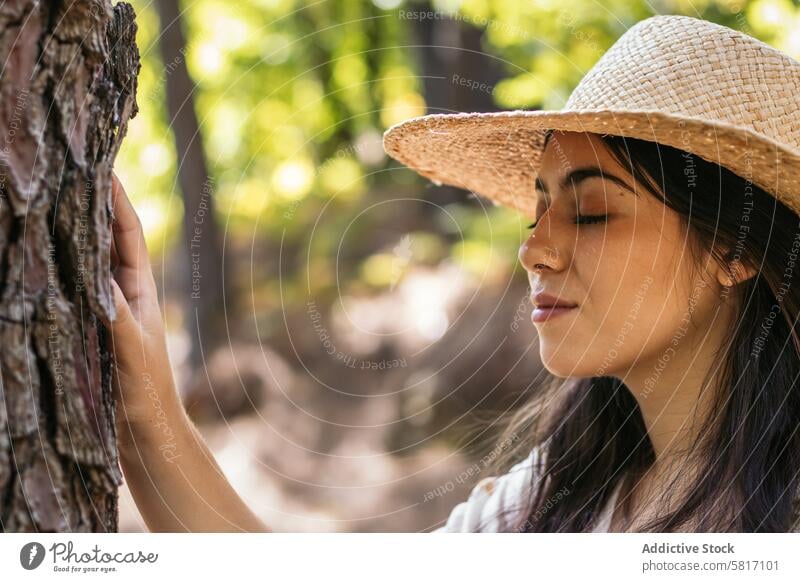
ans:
x=628 y=271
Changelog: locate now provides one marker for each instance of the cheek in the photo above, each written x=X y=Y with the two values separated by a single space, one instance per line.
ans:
x=650 y=247
x=622 y=291
x=637 y=284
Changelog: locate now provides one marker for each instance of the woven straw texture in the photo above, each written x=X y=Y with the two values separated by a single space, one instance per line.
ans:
x=677 y=80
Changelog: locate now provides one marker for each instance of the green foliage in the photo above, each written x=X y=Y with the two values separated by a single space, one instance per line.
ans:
x=293 y=98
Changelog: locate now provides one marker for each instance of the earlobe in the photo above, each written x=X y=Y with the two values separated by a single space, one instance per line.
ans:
x=737 y=273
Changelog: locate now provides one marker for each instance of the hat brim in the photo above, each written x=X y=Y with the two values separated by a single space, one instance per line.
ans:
x=497 y=155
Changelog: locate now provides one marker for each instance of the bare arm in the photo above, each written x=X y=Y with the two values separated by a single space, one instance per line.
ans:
x=174 y=479
x=181 y=487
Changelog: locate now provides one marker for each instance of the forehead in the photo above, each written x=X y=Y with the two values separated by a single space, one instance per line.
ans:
x=572 y=149
x=572 y=157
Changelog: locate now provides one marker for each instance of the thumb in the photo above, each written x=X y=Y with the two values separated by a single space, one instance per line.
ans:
x=124 y=327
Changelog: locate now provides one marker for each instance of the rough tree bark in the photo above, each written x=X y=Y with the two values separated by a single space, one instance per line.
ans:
x=67 y=91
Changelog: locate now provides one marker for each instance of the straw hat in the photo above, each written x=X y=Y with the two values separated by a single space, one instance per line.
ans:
x=681 y=81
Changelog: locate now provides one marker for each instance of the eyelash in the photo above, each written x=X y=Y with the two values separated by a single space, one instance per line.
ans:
x=582 y=219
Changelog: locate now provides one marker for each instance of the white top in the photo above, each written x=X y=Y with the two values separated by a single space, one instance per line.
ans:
x=604 y=521
x=507 y=493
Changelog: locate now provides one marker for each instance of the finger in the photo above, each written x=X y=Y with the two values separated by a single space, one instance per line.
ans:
x=114 y=255
x=120 y=306
x=132 y=264
x=124 y=328
x=127 y=228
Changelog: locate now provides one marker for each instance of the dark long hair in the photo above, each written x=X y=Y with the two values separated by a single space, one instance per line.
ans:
x=592 y=429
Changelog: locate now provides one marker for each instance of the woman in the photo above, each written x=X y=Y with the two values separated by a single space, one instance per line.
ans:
x=664 y=294
x=676 y=394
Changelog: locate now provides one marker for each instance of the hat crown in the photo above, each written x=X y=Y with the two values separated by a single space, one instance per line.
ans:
x=695 y=68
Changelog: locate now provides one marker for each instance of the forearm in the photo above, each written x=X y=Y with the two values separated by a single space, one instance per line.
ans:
x=173 y=477
x=178 y=486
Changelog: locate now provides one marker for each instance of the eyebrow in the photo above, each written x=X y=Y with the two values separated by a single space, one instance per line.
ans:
x=577 y=175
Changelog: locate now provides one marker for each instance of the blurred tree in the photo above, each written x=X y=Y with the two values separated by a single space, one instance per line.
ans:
x=67 y=91
x=200 y=257
x=458 y=75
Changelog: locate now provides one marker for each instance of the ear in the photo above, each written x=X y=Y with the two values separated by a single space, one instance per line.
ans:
x=738 y=273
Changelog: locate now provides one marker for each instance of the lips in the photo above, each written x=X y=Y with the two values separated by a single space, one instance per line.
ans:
x=548 y=306
x=542 y=314
x=542 y=299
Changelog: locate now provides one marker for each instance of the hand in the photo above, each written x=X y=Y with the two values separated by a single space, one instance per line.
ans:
x=172 y=474
x=143 y=385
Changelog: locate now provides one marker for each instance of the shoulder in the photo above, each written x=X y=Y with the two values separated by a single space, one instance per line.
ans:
x=507 y=495
x=497 y=496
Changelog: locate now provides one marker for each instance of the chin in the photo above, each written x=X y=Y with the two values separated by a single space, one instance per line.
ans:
x=561 y=367
x=560 y=363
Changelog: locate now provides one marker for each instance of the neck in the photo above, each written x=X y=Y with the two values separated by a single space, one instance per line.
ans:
x=671 y=390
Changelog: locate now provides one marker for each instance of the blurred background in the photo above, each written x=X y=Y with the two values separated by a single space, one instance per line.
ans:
x=346 y=334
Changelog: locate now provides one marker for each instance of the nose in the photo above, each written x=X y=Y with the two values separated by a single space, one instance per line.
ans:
x=541 y=249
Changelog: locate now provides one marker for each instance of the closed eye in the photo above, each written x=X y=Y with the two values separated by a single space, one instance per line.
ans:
x=582 y=219
x=590 y=218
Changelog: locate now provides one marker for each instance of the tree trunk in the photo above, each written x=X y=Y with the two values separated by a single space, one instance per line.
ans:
x=450 y=50
x=67 y=92
x=201 y=244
